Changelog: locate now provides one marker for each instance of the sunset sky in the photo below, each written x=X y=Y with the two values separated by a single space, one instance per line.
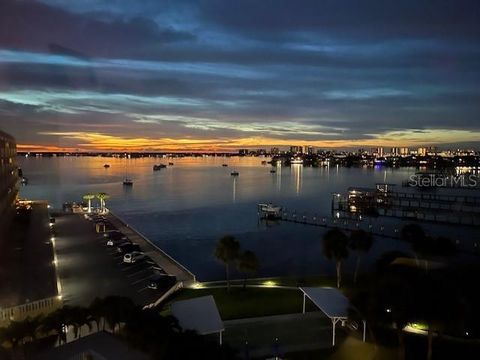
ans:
x=220 y=75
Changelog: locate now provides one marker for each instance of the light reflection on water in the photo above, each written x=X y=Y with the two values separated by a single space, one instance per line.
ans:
x=186 y=207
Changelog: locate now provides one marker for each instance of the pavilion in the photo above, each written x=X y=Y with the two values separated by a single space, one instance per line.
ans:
x=332 y=303
x=199 y=314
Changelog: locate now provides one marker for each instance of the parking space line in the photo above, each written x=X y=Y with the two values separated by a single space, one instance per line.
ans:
x=138 y=272
x=140 y=280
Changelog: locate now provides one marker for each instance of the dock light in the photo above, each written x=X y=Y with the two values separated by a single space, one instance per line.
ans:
x=269 y=283
x=198 y=285
x=388 y=310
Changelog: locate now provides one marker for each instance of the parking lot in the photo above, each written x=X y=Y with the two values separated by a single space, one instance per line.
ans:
x=88 y=268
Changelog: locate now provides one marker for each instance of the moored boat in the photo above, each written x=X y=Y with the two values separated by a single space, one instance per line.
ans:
x=127 y=182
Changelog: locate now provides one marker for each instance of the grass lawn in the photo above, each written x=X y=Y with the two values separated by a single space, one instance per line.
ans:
x=251 y=302
x=286 y=281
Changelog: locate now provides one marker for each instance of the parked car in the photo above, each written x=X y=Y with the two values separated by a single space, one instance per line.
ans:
x=133 y=257
x=118 y=241
x=161 y=281
x=128 y=248
x=114 y=235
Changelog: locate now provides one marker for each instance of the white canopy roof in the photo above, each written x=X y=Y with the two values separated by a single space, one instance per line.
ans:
x=331 y=301
x=199 y=314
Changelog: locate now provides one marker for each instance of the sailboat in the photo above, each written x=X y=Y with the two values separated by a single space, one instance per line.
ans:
x=127 y=181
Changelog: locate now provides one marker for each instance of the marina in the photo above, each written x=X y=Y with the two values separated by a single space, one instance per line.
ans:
x=424 y=206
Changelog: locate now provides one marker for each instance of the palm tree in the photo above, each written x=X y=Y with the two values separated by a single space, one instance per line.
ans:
x=89 y=197
x=335 y=246
x=247 y=264
x=361 y=242
x=227 y=251
x=14 y=334
x=97 y=312
x=57 y=322
x=80 y=317
x=117 y=310
x=394 y=301
x=102 y=197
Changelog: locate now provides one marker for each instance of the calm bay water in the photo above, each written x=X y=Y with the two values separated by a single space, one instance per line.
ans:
x=186 y=207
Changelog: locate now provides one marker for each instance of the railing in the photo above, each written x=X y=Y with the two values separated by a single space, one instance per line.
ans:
x=155 y=246
x=173 y=289
x=34 y=308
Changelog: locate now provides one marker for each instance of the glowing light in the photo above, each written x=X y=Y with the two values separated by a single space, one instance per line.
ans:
x=198 y=285
x=269 y=283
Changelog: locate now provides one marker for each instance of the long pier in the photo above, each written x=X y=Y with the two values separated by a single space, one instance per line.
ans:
x=165 y=261
x=343 y=223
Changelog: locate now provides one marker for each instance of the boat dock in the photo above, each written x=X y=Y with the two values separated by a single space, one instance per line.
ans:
x=343 y=223
x=165 y=261
x=423 y=206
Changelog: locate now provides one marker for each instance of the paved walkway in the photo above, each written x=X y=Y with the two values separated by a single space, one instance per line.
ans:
x=170 y=265
x=280 y=334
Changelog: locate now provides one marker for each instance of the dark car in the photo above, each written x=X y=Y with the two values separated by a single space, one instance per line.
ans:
x=161 y=281
x=128 y=248
x=114 y=235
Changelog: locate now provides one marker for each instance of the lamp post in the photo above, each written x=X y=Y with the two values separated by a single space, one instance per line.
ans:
x=89 y=197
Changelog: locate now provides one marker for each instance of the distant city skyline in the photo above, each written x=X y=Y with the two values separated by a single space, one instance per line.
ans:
x=215 y=76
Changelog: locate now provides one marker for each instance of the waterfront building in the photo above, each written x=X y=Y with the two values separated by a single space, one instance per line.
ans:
x=404 y=151
x=296 y=149
x=274 y=151
x=378 y=152
x=243 y=152
x=422 y=151
x=8 y=180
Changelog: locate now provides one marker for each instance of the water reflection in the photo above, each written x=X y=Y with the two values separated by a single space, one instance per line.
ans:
x=297 y=171
x=234 y=192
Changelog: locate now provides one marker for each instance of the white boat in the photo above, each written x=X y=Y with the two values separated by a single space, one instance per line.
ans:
x=234 y=173
x=296 y=161
x=127 y=182
x=269 y=210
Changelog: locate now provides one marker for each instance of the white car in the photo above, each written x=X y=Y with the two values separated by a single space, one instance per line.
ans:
x=133 y=257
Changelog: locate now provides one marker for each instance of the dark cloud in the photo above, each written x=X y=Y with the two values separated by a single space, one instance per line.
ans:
x=298 y=70
x=30 y=25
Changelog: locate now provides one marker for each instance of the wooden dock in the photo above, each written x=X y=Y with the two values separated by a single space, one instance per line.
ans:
x=165 y=261
x=346 y=224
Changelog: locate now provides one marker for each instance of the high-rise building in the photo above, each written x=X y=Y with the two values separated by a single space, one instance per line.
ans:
x=378 y=151
x=422 y=151
x=404 y=151
x=309 y=150
x=8 y=180
x=296 y=149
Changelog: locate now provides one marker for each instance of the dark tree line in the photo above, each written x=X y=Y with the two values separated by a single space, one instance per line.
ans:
x=159 y=336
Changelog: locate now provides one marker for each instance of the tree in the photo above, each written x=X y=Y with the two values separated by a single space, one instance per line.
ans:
x=247 y=264
x=361 y=242
x=117 y=310
x=89 y=197
x=97 y=312
x=414 y=235
x=57 y=322
x=80 y=317
x=227 y=251
x=102 y=197
x=393 y=301
x=335 y=246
